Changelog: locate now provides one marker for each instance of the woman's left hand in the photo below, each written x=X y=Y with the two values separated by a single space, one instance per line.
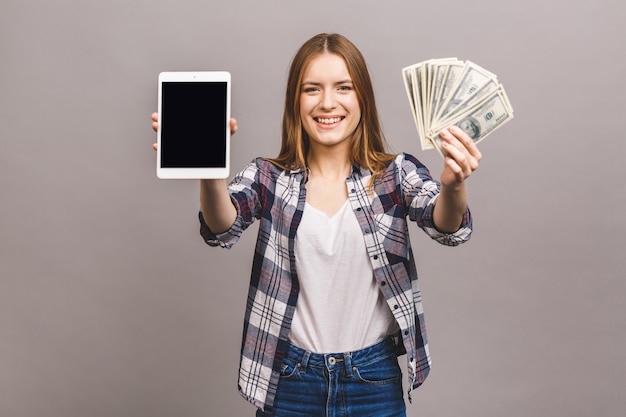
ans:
x=461 y=156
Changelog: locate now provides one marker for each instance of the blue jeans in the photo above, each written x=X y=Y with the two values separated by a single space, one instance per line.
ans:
x=364 y=383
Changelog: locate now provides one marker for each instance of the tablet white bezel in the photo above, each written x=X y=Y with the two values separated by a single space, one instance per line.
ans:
x=196 y=172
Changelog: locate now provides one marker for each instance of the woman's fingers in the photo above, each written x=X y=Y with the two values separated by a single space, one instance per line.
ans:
x=466 y=144
x=462 y=154
x=155 y=121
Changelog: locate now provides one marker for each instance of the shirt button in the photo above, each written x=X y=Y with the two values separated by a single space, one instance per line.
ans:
x=383 y=283
x=375 y=256
x=358 y=209
x=395 y=307
x=353 y=190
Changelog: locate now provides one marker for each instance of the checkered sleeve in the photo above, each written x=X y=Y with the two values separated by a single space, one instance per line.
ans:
x=421 y=191
x=243 y=191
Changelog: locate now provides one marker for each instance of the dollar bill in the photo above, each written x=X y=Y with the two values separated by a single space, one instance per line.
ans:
x=424 y=94
x=461 y=107
x=410 y=76
x=447 y=91
x=479 y=120
x=471 y=80
x=453 y=71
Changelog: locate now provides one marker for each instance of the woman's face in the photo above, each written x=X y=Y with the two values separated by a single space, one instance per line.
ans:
x=329 y=107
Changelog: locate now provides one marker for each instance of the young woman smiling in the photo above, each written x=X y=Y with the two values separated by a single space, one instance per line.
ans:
x=334 y=296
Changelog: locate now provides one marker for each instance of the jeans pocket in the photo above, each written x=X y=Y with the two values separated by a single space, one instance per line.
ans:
x=382 y=371
x=289 y=368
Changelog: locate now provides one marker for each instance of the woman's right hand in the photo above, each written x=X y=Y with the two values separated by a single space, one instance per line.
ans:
x=155 y=126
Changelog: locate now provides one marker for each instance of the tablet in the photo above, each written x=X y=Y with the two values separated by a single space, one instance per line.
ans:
x=193 y=136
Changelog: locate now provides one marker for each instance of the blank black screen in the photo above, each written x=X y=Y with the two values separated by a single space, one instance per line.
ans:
x=193 y=124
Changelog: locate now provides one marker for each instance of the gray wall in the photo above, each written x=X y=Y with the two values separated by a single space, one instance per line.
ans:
x=111 y=304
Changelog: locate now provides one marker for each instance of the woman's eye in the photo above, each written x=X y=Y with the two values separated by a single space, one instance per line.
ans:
x=309 y=90
x=345 y=88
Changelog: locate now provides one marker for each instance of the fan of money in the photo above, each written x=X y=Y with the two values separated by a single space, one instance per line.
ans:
x=448 y=92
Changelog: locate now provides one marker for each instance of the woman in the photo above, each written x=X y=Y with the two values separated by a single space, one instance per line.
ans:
x=334 y=297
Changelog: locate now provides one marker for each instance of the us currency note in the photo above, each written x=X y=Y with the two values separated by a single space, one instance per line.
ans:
x=453 y=71
x=480 y=120
x=471 y=80
x=448 y=92
x=482 y=92
x=425 y=87
x=412 y=88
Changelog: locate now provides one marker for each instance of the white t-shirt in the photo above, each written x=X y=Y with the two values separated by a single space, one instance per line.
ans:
x=340 y=307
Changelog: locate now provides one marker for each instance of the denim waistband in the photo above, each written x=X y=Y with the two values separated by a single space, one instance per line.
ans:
x=358 y=357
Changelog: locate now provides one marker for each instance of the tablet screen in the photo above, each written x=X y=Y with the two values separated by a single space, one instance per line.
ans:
x=193 y=123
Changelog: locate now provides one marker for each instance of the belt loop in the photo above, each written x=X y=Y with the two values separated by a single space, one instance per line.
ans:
x=305 y=362
x=347 y=361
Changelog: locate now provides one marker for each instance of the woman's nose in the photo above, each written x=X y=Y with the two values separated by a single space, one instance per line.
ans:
x=328 y=100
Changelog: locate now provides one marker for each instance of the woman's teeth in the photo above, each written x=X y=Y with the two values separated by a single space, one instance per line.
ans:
x=328 y=121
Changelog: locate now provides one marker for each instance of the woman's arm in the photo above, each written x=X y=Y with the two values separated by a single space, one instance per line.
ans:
x=218 y=210
x=461 y=159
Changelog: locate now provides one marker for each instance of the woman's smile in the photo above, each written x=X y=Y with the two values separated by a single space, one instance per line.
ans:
x=329 y=120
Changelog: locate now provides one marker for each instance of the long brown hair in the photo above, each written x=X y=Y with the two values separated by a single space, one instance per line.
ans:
x=368 y=145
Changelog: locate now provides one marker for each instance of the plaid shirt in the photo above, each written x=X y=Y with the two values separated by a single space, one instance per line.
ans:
x=276 y=197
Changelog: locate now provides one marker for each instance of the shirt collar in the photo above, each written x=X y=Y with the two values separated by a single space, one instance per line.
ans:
x=357 y=171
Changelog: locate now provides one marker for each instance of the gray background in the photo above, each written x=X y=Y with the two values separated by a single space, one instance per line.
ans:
x=111 y=304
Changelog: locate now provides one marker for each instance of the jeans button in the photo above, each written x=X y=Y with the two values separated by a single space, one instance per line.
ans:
x=332 y=361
